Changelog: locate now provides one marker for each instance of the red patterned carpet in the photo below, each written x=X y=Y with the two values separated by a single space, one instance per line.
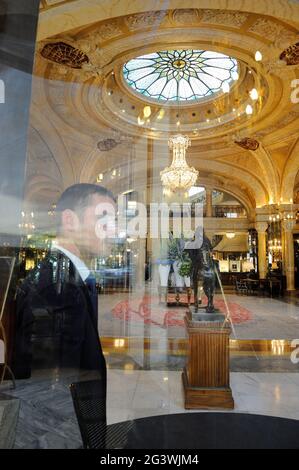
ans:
x=149 y=311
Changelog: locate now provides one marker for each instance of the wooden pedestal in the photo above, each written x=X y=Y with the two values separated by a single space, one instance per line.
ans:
x=206 y=377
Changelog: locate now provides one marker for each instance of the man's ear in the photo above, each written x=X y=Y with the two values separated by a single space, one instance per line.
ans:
x=69 y=221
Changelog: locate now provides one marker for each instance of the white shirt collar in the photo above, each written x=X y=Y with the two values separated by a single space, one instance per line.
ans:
x=78 y=263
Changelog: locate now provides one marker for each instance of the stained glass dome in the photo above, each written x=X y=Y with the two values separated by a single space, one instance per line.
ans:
x=180 y=75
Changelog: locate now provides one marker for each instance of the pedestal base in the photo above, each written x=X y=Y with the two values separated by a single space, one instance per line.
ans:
x=206 y=398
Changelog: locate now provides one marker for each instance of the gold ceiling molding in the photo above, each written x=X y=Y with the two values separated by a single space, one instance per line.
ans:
x=234 y=19
x=150 y=19
x=286 y=120
x=108 y=31
x=96 y=39
x=270 y=30
x=187 y=16
x=274 y=32
x=103 y=32
x=79 y=13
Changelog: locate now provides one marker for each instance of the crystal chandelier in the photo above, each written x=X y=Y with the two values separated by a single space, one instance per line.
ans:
x=179 y=176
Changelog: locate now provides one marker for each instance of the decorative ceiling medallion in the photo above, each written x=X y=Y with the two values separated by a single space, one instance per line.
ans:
x=64 y=54
x=291 y=55
x=106 y=145
x=248 y=144
x=180 y=75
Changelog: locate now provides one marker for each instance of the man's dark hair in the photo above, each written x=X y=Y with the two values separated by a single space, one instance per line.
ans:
x=77 y=197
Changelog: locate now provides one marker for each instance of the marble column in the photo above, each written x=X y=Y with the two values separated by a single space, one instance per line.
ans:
x=261 y=228
x=289 y=258
x=209 y=203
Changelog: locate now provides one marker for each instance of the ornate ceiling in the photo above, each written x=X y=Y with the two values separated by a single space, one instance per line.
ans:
x=80 y=97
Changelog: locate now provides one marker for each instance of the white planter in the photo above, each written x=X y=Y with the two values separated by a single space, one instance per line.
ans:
x=179 y=280
x=164 y=274
x=187 y=281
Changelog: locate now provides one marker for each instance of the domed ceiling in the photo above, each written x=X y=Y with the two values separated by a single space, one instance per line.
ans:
x=239 y=115
x=181 y=75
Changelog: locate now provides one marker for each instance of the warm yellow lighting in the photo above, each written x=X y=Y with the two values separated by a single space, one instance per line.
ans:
x=178 y=123
x=161 y=114
x=249 y=109
x=226 y=87
x=278 y=346
x=100 y=177
x=258 y=56
x=254 y=94
x=230 y=236
x=140 y=121
x=147 y=111
x=179 y=175
x=119 y=343
x=291 y=200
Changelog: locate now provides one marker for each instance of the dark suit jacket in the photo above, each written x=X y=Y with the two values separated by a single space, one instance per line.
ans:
x=56 y=325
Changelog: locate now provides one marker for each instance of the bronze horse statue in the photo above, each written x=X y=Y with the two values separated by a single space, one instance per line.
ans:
x=200 y=253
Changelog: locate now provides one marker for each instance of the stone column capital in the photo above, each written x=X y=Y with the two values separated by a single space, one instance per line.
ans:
x=209 y=189
x=288 y=225
x=261 y=227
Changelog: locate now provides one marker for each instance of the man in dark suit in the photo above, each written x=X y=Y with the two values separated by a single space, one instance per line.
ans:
x=57 y=317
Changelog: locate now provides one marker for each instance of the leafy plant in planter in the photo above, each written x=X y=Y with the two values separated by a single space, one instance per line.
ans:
x=174 y=249
x=177 y=253
x=186 y=266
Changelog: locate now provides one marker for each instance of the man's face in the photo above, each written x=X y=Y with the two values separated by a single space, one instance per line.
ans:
x=97 y=217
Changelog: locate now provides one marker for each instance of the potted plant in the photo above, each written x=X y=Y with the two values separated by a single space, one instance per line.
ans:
x=185 y=269
x=181 y=263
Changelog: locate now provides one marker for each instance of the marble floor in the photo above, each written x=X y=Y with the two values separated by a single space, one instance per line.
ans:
x=123 y=314
x=139 y=332
x=138 y=394
x=47 y=420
